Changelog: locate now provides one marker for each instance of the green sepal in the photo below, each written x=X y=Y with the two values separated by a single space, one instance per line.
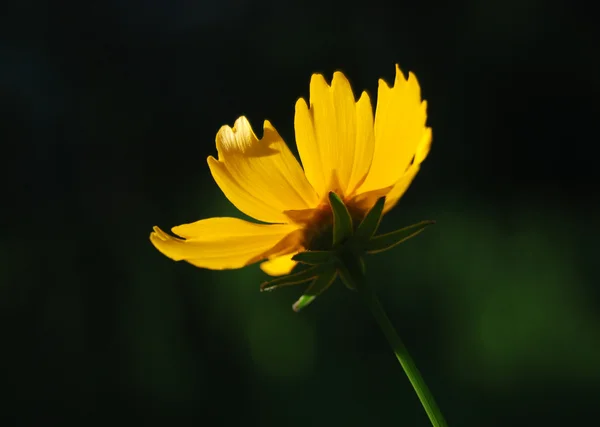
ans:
x=318 y=286
x=292 y=279
x=351 y=268
x=342 y=221
x=314 y=257
x=387 y=241
x=369 y=225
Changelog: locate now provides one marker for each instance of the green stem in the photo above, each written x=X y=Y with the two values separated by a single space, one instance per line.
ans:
x=355 y=274
x=413 y=374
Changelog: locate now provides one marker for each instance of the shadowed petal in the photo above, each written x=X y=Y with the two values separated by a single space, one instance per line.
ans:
x=223 y=243
x=400 y=188
x=403 y=183
x=261 y=178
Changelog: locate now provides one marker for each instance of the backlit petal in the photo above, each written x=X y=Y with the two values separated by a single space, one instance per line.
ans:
x=308 y=148
x=399 y=130
x=365 y=142
x=279 y=266
x=400 y=188
x=403 y=183
x=262 y=178
x=423 y=147
x=223 y=243
x=334 y=136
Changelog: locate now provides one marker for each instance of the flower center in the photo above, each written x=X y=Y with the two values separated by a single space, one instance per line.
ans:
x=318 y=231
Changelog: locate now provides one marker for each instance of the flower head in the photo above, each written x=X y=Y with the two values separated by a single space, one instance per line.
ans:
x=343 y=149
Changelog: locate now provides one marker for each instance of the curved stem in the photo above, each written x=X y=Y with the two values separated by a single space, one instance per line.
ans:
x=355 y=273
x=413 y=374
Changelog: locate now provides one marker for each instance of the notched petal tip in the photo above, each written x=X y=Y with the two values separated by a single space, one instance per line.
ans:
x=268 y=127
x=157 y=233
x=164 y=243
x=412 y=77
x=240 y=137
x=318 y=79
x=260 y=177
x=225 y=243
x=400 y=73
x=241 y=124
x=401 y=134
x=383 y=88
x=409 y=77
x=401 y=80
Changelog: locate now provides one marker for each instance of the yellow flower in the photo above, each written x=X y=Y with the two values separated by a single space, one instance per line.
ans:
x=343 y=149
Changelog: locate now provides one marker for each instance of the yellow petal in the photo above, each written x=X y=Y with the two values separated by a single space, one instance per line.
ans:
x=309 y=149
x=400 y=188
x=399 y=129
x=403 y=183
x=364 y=201
x=365 y=142
x=223 y=243
x=423 y=147
x=262 y=178
x=279 y=266
x=334 y=135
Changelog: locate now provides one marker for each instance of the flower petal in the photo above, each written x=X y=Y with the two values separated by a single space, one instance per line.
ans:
x=280 y=265
x=399 y=130
x=334 y=136
x=365 y=142
x=403 y=183
x=223 y=243
x=308 y=148
x=400 y=188
x=262 y=178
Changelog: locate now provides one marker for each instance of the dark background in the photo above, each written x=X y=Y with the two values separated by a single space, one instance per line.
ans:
x=109 y=110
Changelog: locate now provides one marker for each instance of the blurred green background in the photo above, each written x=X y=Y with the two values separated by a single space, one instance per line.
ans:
x=109 y=110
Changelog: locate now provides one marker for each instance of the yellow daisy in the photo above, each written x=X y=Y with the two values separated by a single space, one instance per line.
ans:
x=343 y=149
